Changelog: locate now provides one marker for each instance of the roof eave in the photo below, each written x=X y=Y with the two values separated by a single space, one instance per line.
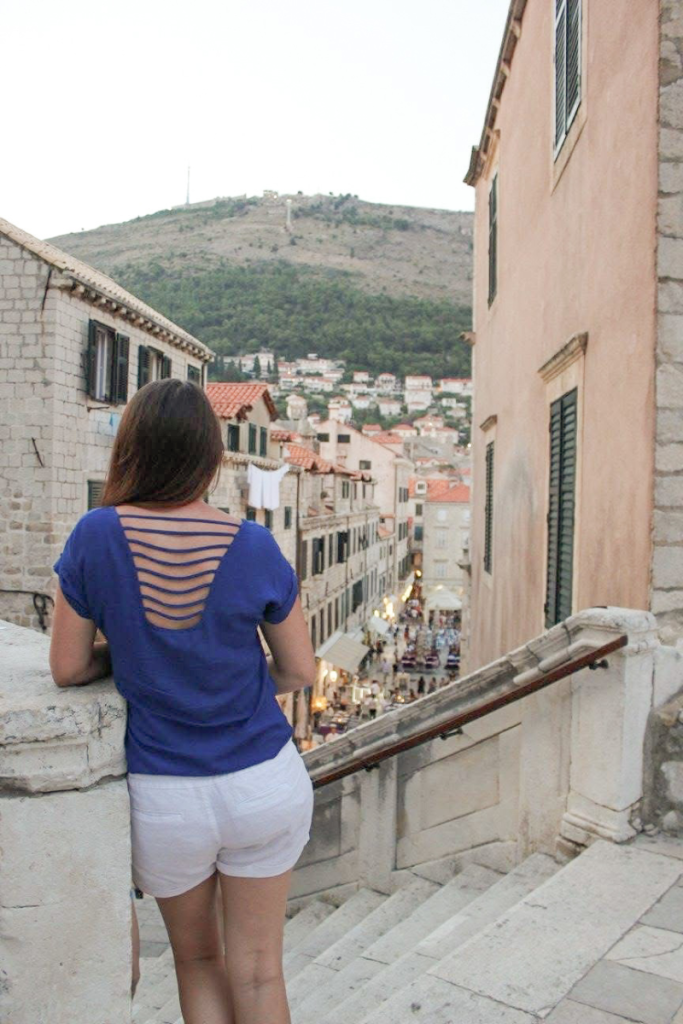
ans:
x=513 y=30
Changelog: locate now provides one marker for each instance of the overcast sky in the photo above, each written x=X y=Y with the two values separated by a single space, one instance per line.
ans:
x=108 y=103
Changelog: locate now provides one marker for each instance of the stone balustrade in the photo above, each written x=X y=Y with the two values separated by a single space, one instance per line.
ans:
x=548 y=773
x=65 y=929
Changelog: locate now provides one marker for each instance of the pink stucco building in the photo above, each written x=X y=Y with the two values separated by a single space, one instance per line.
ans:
x=577 y=429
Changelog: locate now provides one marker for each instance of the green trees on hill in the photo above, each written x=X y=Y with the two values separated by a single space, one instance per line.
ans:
x=296 y=310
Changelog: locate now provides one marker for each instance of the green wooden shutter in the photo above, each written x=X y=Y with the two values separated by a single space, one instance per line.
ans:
x=263 y=443
x=573 y=88
x=488 y=510
x=303 y=559
x=120 y=380
x=560 y=70
x=91 y=360
x=165 y=366
x=143 y=365
x=561 y=500
x=194 y=374
x=493 y=239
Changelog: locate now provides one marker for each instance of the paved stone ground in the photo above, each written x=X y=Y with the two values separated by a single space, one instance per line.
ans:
x=641 y=977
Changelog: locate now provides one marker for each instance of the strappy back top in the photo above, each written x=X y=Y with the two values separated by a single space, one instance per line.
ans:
x=179 y=600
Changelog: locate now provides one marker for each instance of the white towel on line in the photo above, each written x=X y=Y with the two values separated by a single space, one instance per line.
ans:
x=264 y=486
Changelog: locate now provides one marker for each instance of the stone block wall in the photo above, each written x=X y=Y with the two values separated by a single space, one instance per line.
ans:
x=27 y=399
x=667 y=564
x=53 y=437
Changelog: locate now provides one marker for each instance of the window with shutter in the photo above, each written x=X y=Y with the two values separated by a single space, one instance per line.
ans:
x=165 y=366
x=567 y=66
x=288 y=517
x=91 y=360
x=314 y=640
x=144 y=375
x=268 y=519
x=561 y=497
x=95 y=489
x=194 y=374
x=493 y=239
x=252 y=439
x=233 y=437
x=303 y=559
x=102 y=362
x=120 y=389
x=488 y=510
x=263 y=446
x=251 y=514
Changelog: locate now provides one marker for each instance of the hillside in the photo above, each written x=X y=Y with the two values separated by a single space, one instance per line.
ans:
x=370 y=283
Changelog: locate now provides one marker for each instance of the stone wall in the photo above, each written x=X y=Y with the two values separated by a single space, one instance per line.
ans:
x=667 y=564
x=53 y=437
x=27 y=401
x=551 y=772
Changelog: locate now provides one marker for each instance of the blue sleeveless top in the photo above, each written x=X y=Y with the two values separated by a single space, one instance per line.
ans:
x=200 y=698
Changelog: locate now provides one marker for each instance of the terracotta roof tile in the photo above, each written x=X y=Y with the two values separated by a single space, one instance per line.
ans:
x=235 y=400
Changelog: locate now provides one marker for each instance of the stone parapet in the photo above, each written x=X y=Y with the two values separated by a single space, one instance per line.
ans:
x=551 y=772
x=65 y=942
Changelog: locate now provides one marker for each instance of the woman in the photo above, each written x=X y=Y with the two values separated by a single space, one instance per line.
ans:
x=220 y=797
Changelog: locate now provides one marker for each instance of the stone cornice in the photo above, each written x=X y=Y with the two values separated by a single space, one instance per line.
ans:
x=511 y=35
x=571 y=351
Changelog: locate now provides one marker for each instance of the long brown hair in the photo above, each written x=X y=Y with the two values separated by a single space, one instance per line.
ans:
x=168 y=447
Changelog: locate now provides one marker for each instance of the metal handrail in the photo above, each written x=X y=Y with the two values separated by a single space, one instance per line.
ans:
x=452 y=726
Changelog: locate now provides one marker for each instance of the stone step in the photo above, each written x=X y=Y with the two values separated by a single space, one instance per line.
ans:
x=527 y=960
x=594 y=900
x=318 y=988
x=155 y=988
x=344 y=918
x=303 y=923
x=390 y=994
x=362 y=995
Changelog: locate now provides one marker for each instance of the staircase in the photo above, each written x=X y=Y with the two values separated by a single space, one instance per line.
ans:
x=542 y=942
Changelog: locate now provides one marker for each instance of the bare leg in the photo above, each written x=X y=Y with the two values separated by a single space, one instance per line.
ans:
x=254 y=911
x=192 y=924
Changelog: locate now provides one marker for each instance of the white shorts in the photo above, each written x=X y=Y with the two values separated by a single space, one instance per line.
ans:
x=254 y=823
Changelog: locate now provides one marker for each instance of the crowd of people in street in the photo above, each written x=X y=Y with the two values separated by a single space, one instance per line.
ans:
x=411 y=659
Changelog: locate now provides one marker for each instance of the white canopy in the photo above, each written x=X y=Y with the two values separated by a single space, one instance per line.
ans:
x=378 y=625
x=342 y=651
x=442 y=599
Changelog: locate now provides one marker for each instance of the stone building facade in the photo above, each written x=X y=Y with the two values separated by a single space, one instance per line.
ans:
x=342 y=444
x=578 y=323
x=446 y=525
x=74 y=346
x=247 y=413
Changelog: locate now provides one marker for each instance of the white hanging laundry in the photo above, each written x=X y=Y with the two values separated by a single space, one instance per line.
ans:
x=271 y=487
x=255 y=481
x=264 y=486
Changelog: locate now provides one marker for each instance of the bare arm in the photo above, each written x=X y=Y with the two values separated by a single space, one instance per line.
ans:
x=291 y=662
x=75 y=657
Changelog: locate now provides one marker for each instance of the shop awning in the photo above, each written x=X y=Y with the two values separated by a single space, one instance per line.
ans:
x=378 y=625
x=342 y=652
x=442 y=599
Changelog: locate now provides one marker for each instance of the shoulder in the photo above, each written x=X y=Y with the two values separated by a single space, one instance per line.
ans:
x=93 y=520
